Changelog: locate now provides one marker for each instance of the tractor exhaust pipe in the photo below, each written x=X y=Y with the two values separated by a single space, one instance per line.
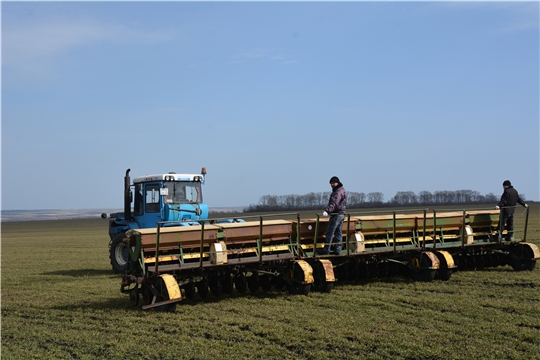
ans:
x=127 y=196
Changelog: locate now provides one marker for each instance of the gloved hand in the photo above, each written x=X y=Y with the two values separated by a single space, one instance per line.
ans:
x=526 y=205
x=496 y=208
x=324 y=213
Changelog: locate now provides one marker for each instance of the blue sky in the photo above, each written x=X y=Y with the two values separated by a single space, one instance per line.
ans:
x=273 y=98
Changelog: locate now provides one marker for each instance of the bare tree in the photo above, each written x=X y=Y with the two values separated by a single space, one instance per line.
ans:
x=375 y=197
x=491 y=198
x=404 y=198
x=425 y=197
x=355 y=199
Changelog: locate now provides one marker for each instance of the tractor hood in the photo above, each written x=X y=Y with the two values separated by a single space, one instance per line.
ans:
x=180 y=212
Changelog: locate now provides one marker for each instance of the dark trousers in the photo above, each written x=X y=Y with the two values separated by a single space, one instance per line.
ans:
x=334 y=233
x=508 y=224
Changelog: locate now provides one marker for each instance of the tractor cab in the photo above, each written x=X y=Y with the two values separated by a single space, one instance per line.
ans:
x=151 y=199
x=168 y=197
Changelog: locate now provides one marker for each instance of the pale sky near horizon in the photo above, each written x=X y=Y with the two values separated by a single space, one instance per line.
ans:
x=273 y=98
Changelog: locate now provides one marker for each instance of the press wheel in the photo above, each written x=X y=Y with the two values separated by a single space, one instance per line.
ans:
x=190 y=290
x=240 y=283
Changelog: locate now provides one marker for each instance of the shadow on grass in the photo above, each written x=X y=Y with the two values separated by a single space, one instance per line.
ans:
x=388 y=280
x=122 y=302
x=119 y=303
x=83 y=273
x=260 y=294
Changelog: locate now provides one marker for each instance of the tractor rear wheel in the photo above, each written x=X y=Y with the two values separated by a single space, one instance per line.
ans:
x=119 y=253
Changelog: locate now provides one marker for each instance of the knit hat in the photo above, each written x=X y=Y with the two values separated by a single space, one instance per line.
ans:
x=334 y=179
x=507 y=183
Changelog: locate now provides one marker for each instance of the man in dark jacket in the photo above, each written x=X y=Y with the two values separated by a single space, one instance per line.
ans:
x=336 y=208
x=509 y=199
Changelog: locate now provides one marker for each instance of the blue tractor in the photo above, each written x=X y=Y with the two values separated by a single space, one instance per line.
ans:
x=173 y=198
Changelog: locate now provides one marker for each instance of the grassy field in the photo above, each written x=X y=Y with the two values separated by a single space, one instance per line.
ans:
x=60 y=300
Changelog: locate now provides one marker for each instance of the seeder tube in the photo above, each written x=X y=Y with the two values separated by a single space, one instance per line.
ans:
x=463 y=229
x=157 y=247
x=424 y=231
x=202 y=246
x=499 y=238
x=348 y=232
x=259 y=240
x=434 y=229
x=315 y=237
x=298 y=255
x=394 y=229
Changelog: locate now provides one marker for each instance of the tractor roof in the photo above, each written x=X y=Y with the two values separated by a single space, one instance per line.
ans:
x=169 y=177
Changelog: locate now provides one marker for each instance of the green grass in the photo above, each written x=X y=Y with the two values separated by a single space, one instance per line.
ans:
x=60 y=300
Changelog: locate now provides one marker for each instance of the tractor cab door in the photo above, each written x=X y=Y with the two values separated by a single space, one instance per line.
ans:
x=152 y=205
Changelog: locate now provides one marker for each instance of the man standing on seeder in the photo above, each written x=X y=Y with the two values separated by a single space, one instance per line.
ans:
x=509 y=199
x=336 y=209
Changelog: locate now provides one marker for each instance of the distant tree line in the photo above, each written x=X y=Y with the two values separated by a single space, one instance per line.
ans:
x=355 y=200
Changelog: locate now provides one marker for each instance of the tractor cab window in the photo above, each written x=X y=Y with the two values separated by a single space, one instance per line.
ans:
x=152 y=198
x=183 y=192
